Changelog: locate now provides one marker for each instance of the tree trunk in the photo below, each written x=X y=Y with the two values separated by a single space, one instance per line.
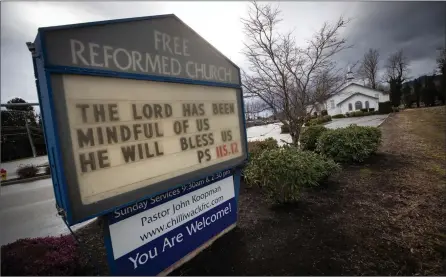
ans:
x=295 y=130
x=295 y=139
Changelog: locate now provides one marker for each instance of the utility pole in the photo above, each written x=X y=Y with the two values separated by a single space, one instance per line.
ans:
x=30 y=138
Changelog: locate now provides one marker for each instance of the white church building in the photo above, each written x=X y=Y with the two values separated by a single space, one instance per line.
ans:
x=352 y=97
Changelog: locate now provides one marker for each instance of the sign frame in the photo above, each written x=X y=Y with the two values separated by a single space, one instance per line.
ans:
x=65 y=196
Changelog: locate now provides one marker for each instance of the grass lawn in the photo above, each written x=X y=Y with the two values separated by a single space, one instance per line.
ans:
x=385 y=217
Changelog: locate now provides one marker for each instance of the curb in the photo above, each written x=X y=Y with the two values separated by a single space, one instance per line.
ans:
x=384 y=120
x=16 y=181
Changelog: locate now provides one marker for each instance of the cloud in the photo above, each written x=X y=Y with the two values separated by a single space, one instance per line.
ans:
x=416 y=27
x=19 y=23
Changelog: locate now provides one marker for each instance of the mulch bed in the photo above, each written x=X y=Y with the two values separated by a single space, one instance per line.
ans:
x=385 y=217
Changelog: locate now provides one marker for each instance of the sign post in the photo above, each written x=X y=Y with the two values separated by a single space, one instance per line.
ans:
x=144 y=124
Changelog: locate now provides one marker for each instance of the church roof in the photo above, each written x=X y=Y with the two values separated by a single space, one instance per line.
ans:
x=355 y=84
x=356 y=93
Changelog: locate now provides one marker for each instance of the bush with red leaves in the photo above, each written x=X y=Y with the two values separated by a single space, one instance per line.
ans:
x=43 y=256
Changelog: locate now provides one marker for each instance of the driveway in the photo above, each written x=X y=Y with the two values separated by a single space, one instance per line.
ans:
x=28 y=210
x=268 y=131
x=371 y=120
x=273 y=130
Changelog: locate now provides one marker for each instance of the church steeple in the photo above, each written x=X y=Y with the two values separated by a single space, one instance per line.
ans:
x=349 y=76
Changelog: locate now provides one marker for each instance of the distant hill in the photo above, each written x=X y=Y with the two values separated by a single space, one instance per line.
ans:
x=422 y=79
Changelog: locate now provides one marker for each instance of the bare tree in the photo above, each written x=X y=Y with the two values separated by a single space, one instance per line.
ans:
x=253 y=107
x=368 y=69
x=291 y=80
x=397 y=70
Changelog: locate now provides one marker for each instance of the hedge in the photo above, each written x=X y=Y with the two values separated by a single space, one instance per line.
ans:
x=310 y=136
x=256 y=147
x=285 y=129
x=338 y=116
x=385 y=107
x=357 y=113
x=282 y=173
x=360 y=113
x=350 y=144
x=319 y=120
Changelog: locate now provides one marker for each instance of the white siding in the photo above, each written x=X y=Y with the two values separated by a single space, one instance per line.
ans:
x=317 y=108
x=373 y=103
x=384 y=98
x=348 y=91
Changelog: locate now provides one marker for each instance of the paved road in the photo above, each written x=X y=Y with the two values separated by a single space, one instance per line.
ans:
x=371 y=120
x=273 y=130
x=28 y=210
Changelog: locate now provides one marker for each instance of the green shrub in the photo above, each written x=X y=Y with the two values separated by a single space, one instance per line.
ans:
x=360 y=113
x=256 y=147
x=357 y=113
x=285 y=129
x=319 y=120
x=364 y=110
x=282 y=173
x=324 y=112
x=350 y=144
x=27 y=171
x=385 y=107
x=395 y=109
x=338 y=116
x=371 y=109
x=310 y=135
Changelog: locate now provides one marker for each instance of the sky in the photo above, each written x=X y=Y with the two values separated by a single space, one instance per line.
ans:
x=416 y=27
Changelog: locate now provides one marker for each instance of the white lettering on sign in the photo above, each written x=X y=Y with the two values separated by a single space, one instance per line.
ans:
x=134 y=232
x=87 y=54
x=128 y=134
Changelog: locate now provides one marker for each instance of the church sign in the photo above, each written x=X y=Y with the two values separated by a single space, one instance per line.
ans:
x=135 y=110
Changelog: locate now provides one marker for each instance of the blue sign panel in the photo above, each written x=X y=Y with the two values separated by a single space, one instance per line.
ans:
x=156 y=235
